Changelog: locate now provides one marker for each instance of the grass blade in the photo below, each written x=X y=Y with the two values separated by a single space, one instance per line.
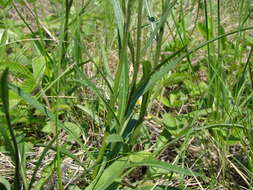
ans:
x=109 y=175
x=38 y=163
x=165 y=166
x=166 y=65
x=34 y=103
x=119 y=17
x=5 y=100
x=89 y=84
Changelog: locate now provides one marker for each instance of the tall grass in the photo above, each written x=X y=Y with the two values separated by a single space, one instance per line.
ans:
x=156 y=51
x=11 y=144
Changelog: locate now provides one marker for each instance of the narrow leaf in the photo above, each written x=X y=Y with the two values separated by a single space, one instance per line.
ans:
x=119 y=17
x=5 y=100
x=165 y=166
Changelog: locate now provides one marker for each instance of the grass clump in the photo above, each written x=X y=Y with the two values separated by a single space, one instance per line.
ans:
x=125 y=94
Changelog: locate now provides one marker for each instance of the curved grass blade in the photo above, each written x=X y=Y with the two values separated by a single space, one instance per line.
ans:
x=242 y=78
x=34 y=103
x=109 y=175
x=193 y=131
x=46 y=174
x=166 y=166
x=5 y=100
x=67 y=71
x=100 y=172
x=166 y=65
x=91 y=85
x=115 y=170
x=67 y=153
x=38 y=163
x=38 y=43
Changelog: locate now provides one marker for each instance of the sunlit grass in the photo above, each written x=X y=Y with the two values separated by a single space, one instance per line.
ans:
x=158 y=90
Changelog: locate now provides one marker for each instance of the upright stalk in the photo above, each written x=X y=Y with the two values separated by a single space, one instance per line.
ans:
x=138 y=45
x=61 y=65
x=5 y=100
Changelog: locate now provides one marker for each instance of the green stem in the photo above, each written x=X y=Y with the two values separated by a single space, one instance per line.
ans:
x=100 y=155
x=5 y=99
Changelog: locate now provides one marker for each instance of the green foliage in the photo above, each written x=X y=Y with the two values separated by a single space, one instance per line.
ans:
x=157 y=188
x=11 y=142
x=4 y=184
x=5 y=3
x=117 y=87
